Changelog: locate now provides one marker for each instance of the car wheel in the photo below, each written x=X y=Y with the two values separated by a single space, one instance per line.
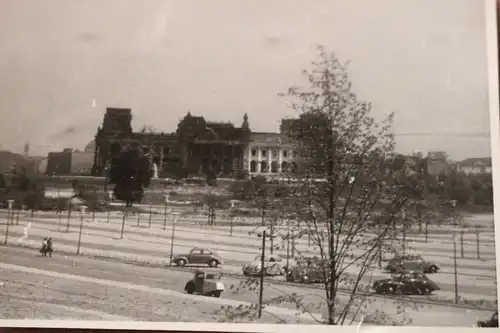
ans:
x=433 y=269
x=213 y=263
x=283 y=271
x=181 y=262
x=391 y=290
x=427 y=291
x=217 y=293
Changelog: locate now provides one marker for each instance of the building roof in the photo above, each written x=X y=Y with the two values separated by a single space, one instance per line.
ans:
x=478 y=161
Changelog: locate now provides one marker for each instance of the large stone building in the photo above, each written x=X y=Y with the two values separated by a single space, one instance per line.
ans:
x=196 y=146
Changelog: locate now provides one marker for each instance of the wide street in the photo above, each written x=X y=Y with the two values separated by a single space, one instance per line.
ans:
x=476 y=278
x=72 y=287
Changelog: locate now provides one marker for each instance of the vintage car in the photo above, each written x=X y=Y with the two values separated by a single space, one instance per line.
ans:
x=198 y=256
x=307 y=271
x=205 y=283
x=411 y=263
x=406 y=283
x=492 y=322
x=273 y=265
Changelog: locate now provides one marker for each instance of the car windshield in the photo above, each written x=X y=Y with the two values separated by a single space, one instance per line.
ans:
x=212 y=277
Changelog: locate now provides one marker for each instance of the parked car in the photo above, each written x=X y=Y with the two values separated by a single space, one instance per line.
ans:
x=407 y=283
x=273 y=265
x=411 y=263
x=492 y=322
x=205 y=283
x=198 y=256
x=307 y=271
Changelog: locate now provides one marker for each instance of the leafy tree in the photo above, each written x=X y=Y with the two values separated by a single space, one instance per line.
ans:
x=130 y=171
x=347 y=196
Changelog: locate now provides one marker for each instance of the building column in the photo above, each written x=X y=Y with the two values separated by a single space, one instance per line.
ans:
x=280 y=160
x=269 y=160
x=249 y=157
x=259 y=157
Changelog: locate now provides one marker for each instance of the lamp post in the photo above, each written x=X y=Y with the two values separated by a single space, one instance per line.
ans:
x=82 y=212
x=9 y=202
x=477 y=243
x=138 y=217
x=150 y=215
x=125 y=210
x=287 y=244
x=232 y=202
x=262 y=273
x=403 y=218
x=165 y=213
x=175 y=215
x=110 y=199
x=69 y=215
x=455 y=271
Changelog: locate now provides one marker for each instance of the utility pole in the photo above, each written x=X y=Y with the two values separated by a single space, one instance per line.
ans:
x=262 y=261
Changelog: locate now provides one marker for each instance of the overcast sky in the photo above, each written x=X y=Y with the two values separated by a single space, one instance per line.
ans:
x=63 y=62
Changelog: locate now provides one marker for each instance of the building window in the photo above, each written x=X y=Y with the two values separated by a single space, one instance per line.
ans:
x=285 y=153
x=264 y=153
x=274 y=167
x=284 y=167
x=254 y=152
x=263 y=166
x=253 y=166
x=294 y=153
x=275 y=153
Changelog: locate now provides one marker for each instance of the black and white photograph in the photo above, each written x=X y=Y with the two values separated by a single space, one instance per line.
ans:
x=287 y=162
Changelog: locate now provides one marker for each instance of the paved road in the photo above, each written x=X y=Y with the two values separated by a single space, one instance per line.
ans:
x=476 y=280
x=80 y=287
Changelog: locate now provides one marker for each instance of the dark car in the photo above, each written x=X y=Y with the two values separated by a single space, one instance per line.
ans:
x=492 y=322
x=411 y=263
x=307 y=271
x=407 y=283
x=198 y=256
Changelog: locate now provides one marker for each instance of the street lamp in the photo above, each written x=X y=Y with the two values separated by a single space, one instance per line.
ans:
x=232 y=202
x=82 y=212
x=175 y=215
x=262 y=261
x=455 y=272
x=110 y=199
x=69 y=215
x=9 y=202
x=123 y=220
x=403 y=217
x=165 y=212
x=150 y=215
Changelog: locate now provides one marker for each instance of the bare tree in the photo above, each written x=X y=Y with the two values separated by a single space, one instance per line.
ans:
x=348 y=198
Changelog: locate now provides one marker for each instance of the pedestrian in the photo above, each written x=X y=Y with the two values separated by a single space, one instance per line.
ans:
x=49 y=246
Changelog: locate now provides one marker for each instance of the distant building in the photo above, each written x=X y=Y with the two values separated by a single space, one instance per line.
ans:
x=69 y=162
x=474 y=166
x=196 y=146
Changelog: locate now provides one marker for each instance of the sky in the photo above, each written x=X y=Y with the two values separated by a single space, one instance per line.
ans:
x=63 y=62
